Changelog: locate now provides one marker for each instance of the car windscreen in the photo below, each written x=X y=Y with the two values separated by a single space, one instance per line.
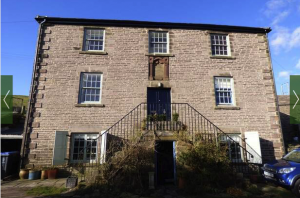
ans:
x=293 y=156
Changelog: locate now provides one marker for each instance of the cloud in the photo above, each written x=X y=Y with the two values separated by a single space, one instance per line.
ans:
x=295 y=38
x=284 y=38
x=284 y=74
x=274 y=7
x=280 y=17
x=298 y=64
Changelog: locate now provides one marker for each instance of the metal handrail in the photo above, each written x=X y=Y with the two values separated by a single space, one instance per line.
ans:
x=132 y=123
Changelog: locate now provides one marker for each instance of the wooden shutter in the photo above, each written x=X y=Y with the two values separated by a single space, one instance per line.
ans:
x=103 y=147
x=60 y=147
x=252 y=139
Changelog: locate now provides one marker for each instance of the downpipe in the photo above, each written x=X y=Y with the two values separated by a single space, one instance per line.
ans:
x=25 y=131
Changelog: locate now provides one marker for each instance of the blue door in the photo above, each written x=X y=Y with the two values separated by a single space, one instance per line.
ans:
x=159 y=101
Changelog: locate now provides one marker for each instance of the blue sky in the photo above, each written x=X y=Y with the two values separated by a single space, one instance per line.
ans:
x=19 y=29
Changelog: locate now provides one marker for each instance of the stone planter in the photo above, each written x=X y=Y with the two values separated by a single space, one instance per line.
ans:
x=34 y=174
x=24 y=173
x=71 y=182
x=52 y=173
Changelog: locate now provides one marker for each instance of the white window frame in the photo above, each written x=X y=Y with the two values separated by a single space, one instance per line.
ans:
x=84 y=40
x=81 y=88
x=227 y=44
x=168 y=42
x=233 y=102
x=224 y=139
x=85 y=143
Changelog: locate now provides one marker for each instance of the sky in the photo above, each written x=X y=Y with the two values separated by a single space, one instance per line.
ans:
x=19 y=29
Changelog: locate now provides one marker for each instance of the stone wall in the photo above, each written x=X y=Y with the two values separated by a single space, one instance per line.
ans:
x=125 y=81
x=289 y=130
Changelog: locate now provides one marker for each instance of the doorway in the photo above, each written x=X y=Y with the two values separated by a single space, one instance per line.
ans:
x=165 y=163
x=159 y=101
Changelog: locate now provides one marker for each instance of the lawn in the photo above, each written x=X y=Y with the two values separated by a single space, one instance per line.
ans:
x=18 y=99
x=45 y=191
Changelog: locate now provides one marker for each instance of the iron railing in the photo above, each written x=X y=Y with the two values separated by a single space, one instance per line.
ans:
x=172 y=117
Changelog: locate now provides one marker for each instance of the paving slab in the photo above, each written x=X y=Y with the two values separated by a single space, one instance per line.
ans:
x=18 y=188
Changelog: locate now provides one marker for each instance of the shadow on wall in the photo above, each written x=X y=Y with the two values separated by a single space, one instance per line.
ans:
x=289 y=130
x=267 y=150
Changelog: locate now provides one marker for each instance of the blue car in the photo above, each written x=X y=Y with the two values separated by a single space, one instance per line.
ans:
x=285 y=172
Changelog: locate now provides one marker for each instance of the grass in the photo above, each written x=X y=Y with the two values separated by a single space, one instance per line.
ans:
x=276 y=191
x=17 y=102
x=45 y=191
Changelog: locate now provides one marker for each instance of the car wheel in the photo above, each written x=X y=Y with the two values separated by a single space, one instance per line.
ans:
x=296 y=188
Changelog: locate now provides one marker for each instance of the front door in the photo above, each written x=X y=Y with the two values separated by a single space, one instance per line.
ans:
x=159 y=102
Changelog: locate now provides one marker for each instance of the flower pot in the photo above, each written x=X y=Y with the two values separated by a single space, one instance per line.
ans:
x=24 y=173
x=52 y=173
x=34 y=174
x=44 y=174
x=181 y=183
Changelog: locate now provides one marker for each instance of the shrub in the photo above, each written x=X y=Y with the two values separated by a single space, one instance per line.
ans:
x=128 y=169
x=205 y=168
x=235 y=192
x=175 y=117
x=253 y=189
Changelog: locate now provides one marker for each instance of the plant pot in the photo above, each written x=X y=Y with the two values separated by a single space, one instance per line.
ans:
x=44 y=174
x=34 y=174
x=52 y=173
x=181 y=183
x=24 y=173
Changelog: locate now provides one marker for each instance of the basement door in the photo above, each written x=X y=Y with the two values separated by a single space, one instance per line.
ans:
x=165 y=162
x=159 y=101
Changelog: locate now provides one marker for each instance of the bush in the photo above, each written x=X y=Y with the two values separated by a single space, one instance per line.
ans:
x=235 y=192
x=128 y=169
x=205 y=168
x=253 y=189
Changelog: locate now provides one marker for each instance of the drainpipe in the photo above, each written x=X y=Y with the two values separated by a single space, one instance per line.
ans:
x=31 y=94
x=276 y=96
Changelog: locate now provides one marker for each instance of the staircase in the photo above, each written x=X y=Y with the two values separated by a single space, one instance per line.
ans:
x=182 y=117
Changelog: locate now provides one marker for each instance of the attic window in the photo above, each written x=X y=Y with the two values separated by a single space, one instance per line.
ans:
x=158 y=42
x=220 y=45
x=94 y=40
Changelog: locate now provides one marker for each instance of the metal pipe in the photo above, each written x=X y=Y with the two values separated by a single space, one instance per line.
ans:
x=25 y=131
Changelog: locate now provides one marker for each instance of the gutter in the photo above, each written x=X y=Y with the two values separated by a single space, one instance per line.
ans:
x=151 y=24
x=26 y=133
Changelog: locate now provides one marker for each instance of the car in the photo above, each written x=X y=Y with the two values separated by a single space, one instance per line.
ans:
x=285 y=172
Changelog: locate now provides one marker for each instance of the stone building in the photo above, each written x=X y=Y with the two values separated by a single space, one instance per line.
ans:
x=290 y=131
x=91 y=75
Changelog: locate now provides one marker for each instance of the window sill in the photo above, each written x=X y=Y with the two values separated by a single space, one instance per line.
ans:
x=222 y=57
x=93 y=52
x=163 y=55
x=223 y=107
x=89 y=105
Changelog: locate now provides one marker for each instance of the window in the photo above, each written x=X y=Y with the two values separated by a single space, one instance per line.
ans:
x=158 y=42
x=90 y=88
x=220 y=45
x=84 y=147
x=224 y=91
x=94 y=40
x=232 y=141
